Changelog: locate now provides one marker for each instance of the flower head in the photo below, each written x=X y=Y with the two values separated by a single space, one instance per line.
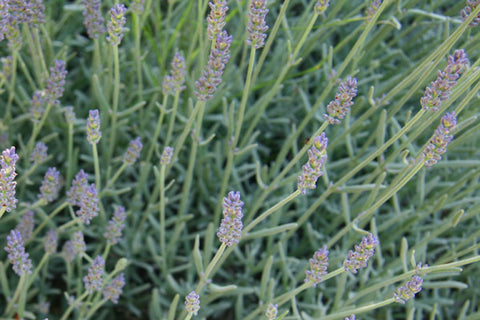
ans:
x=78 y=243
x=51 y=242
x=133 y=152
x=25 y=227
x=79 y=184
x=338 y=108
x=93 y=19
x=321 y=6
x=173 y=83
x=372 y=9
x=469 y=8
x=441 y=138
x=56 y=82
x=192 y=303
x=69 y=115
x=51 y=185
x=271 y=311
x=115 y=25
x=352 y=317
x=94 y=280
x=257 y=26
x=115 y=226
x=114 y=289
x=313 y=169
x=216 y=18
x=88 y=204
x=8 y=160
x=39 y=153
x=17 y=255
x=230 y=230
x=37 y=106
x=407 y=292
x=93 y=127
x=318 y=267
x=166 y=156
x=358 y=259
x=67 y=251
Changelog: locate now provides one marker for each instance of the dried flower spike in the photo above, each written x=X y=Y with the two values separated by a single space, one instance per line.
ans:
x=358 y=259
x=17 y=255
x=216 y=18
x=113 y=290
x=230 y=230
x=93 y=127
x=441 y=138
x=192 y=303
x=166 y=156
x=39 y=153
x=471 y=5
x=51 y=185
x=440 y=89
x=411 y=288
x=173 y=83
x=116 y=24
x=94 y=280
x=8 y=160
x=312 y=170
x=93 y=19
x=115 y=226
x=271 y=311
x=338 y=108
x=257 y=26
x=318 y=267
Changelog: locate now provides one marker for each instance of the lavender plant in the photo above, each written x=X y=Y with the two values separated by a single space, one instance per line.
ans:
x=150 y=112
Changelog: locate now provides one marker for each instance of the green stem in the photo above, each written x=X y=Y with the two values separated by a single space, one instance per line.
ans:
x=163 y=251
x=96 y=164
x=73 y=305
x=137 y=35
x=70 y=155
x=116 y=175
x=157 y=129
x=16 y=295
x=50 y=217
x=116 y=92
x=359 y=310
x=173 y=115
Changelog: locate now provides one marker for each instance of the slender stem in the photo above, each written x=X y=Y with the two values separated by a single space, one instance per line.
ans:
x=70 y=155
x=153 y=143
x=359 y=310
x=50 y=217
x=163 y=251
x=16 y=295
x=137 y=35
x=116 y=91
x=116 y=175
x=173 y=115
x=96 y=164
x=37 y=269
x=73 y=305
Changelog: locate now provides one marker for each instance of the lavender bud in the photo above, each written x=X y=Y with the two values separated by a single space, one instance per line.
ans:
x=4 y=17
x=352 y=317
x=212 y=75
x=411 y=288
x=7 y=185
x=67 y=251
x=69 y=115
x=173 y=83
x=115 y=226
x=115 y=25
x=338 y=108
x=17 y=255
x=216 y=18
x=88 y=204
x=230 y=230
x=37 y=107
x=133 y=152
x=192 y=303
x=79 y=184
x=363 y=252
x=78 y=244
x=166 y=156
x=256 y=26
x=312 y=170
x=271 y=311
x=25 y=227
x=113 y=291
x=39 y=153
x=94 y=280
x=51 y=185
x=441 y=138
x=93 y=19
x=93 y=127
x=318 y=267
x=56 y=82
x=372 y=9
x=51 y=242
x=471 y=5
x=440 y=89
x=321 y=6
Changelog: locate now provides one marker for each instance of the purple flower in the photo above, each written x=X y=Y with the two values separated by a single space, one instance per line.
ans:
x=115 y=25
x=51 y=185
x=230 y=230
x=94 y=280
x=133 y=152
x=358 y=259
x=440 y=89
x=113 y=290
x=79 y=184
x=411 y=288
x=471 y=5
x=312 y=170
x=51 y=242
x=39 y=153
x=17 y=255
x=192 y=303
x=88 y=204
x=212 y=75
x=25 y=227
x=78 y=243
x=256 y=26
x=67 y=251
x=173 y=83
x=115 y=226
x=352 y=317
x=7 y=185
x=166 y=156
x=271 y=311
x=93 y=127
x=318 y=267
x=441 y=138
x=321 y=6
x=216 y=18
x=56 y=82
x=372 y=9
x=37 y=107
x=338 y=108
x=93 y=19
